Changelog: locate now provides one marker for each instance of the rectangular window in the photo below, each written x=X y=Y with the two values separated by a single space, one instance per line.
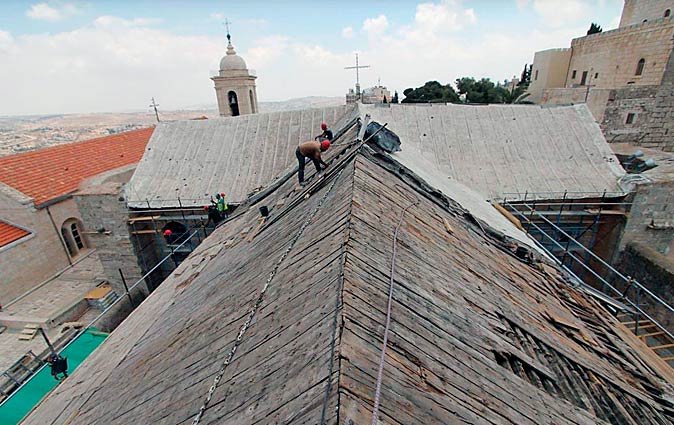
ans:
x=596 y=75
x=573 y=75
x=536 y=76
x=583 y=79
x=630 y=118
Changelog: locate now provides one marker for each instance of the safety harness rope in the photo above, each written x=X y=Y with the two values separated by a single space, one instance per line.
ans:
x=377 y=393
x=257 y=304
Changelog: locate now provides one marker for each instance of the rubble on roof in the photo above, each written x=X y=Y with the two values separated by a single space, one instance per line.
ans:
x=477 y=335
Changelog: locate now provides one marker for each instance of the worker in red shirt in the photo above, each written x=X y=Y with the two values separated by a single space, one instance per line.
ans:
x=311 y=150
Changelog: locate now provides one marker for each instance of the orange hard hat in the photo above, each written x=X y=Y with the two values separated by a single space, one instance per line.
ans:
x=325 y=145
x=222 y=194
x=324 y=126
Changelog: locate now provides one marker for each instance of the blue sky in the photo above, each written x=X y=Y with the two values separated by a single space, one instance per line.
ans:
x=93 y=56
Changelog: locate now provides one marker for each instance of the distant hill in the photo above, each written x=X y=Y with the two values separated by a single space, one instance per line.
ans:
x=24 y=133
x=301 y=103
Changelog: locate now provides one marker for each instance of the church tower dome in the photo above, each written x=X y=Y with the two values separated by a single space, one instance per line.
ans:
x=235 y=85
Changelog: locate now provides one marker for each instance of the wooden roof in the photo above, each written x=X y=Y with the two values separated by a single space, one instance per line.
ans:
x=477 y=336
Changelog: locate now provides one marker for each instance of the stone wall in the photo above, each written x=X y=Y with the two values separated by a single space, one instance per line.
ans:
x=652 y=208
x=610 y=58
x=636 y=11
x=639 y=101
x=595 y=98
x=105 y=218
x=41 y=255
x=655 y=272
x=548 y=71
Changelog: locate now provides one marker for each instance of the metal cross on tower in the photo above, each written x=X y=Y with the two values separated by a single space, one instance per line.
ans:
x=229 y=37
x=357 y=67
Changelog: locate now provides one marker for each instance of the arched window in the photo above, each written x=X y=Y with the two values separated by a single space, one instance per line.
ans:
x=252 y=102
x=71 y=232
x=640 y=66
x=233 y=103
x=667 y=13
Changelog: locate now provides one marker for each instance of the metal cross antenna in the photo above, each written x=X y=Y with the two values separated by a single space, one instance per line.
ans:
x=227 y=23
x=357 y=67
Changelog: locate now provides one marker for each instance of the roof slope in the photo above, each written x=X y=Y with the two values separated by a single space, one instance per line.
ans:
x=191 y=160
x=476 y=335
x=9 y=233
x=50 y=173
x=498 y=149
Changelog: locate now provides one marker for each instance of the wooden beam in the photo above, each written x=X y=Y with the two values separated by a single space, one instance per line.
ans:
x=659 y=347
x=644 y=336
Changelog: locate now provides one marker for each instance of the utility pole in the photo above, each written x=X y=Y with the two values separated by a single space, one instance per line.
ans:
x=357 y=67
x=154 y=106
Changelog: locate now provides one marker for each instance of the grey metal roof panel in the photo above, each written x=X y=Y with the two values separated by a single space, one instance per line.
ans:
x=501 y=150
x=191 y=160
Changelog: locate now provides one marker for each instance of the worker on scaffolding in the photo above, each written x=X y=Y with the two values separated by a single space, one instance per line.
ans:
x=213 y=215
x=220 y=204
x=311 y=150
x=325 y=135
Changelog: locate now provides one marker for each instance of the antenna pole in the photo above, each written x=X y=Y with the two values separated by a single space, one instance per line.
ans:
x=154 y=106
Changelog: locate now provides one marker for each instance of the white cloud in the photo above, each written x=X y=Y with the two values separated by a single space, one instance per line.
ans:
x=521 y=4
x=557 y=14
x=347 y=32
x=6 y=40
x=375 y=26
x=117 y=64
x=217 y=16
x=448 y=15
x=57 y=12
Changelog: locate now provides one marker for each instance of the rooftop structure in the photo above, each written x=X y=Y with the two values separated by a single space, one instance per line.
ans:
x=286 y=321
x=192 y=159
x=10 y=233
x=508 y=150
x=46 y=175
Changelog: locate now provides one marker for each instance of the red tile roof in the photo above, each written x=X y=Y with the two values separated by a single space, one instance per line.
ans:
x=9 y=233
x=49 y=173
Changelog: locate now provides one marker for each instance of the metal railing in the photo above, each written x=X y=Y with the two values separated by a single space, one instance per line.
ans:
x=95 y=320
x=611 y=274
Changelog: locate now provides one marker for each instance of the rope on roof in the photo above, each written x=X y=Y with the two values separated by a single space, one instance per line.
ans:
x=377 y=393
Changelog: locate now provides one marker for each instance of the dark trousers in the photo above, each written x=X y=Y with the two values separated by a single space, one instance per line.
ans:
x=301 y=160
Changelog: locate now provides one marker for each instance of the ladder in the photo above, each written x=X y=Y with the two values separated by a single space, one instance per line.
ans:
x=650 y=333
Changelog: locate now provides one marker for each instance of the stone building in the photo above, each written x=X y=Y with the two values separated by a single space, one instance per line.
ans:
x=41 y=226
x=375 y=94
x=235 y=85
x=624 y=75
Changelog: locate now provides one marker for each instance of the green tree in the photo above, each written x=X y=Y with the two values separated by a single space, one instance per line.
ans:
x=518 y=95
x=431 y=92
x=481 y=91
x=594 y=29
x=525 y=78
x=394 y=99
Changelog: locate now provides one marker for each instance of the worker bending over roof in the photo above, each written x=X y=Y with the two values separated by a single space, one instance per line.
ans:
x=311 y=150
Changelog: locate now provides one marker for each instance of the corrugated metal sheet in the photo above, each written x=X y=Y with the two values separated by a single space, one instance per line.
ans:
x=505 y=149
x=192 y=160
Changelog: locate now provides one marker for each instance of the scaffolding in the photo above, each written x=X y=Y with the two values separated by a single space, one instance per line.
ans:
x=634 y=305
x=189 y=226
